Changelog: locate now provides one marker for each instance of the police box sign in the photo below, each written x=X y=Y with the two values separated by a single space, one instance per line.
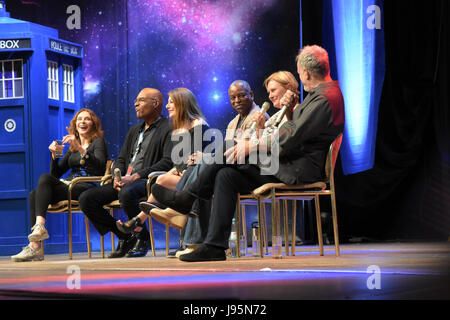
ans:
x=8 y=44
x=65 y=47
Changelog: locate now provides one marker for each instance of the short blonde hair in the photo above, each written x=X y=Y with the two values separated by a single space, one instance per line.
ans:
x=285 y=78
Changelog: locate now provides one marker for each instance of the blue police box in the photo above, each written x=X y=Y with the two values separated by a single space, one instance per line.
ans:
x=40 y=91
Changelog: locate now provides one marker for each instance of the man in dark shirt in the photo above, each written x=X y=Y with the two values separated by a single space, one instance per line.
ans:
x=147 y=148
x=303 y=142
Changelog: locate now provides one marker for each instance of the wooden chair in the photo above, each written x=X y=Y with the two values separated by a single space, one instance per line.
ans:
x=274 y=192
x=115 y=205
x=71 y=206
x=151 y=179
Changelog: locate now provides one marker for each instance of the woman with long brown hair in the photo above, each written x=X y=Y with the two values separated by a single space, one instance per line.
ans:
x=86 y=156
x=188 y=125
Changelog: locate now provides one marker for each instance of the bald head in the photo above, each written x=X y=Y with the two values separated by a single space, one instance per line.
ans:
x=241 y=97
x=148 y=104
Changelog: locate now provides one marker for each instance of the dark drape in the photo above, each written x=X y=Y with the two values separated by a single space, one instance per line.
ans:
x=407 y=192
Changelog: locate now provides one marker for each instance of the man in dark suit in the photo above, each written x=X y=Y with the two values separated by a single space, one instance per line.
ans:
x=303 y=142
x=147 y=148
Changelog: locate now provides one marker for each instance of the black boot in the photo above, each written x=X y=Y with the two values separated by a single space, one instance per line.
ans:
x=123 y=247
x=141 y=247
x=180 y=201
x=129 y=226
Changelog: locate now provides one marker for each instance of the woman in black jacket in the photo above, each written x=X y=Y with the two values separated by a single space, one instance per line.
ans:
x=86 y=156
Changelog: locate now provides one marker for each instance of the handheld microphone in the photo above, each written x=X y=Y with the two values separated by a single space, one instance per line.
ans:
x=280 y=116
x=117 y=174
x=264 y=109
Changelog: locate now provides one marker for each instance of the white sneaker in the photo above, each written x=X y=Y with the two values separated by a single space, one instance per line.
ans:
x=39 y=233
x=189 y=249
x=28 y=253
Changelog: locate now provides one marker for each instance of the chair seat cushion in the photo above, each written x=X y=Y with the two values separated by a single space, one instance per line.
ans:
x=115 y=205
x=265 y=189
x=62 y=206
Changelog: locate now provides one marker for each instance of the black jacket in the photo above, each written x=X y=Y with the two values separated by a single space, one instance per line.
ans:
x=94 y=165
x=304 y=141
x=157 y=156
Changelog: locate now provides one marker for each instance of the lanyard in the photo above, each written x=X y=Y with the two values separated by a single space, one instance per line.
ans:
x=138 y=147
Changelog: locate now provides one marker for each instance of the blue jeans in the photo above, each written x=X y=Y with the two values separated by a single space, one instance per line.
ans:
x=195 y=230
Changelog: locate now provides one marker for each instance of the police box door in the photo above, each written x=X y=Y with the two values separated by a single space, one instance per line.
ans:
x=14 y=151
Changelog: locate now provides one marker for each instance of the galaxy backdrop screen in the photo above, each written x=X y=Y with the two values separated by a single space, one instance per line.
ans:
x=198 y=44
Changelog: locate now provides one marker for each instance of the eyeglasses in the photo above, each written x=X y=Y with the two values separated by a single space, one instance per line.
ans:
x=143 y=99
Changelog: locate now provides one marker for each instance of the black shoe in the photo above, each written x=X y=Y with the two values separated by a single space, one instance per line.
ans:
x=172 y=254
x=205 y=253
x=129 y=226
x=140 y=249
x=123 y=247
x=147 y=206
x=180 y=201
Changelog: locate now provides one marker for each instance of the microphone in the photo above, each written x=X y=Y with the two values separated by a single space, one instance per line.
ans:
x=280 y=116
x=264 y=109
x=117 y=174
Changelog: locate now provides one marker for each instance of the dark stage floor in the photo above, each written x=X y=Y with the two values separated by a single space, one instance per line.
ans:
x=372 y=271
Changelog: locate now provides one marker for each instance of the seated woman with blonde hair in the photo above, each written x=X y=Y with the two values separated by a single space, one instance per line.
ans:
x=189 y=124
x=86 y=156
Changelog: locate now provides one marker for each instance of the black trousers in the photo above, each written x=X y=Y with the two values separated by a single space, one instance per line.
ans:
x=51 y=190
x=93 y=200
x=225 y=182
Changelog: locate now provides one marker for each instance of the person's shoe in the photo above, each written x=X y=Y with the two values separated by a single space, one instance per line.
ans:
x=146 y=206
x=140 y=249
x=38 y=233
x=189 y=249
x=180 y=201
x=129 y=226
x=28 y=253
x=123 y=247
x=170 y=217
x=173 y=253
x=205 y=253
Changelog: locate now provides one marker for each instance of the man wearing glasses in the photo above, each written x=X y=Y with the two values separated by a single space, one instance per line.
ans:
x=147 y=148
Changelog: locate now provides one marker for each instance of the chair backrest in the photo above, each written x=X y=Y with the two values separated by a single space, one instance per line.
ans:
x=332 y=157
x=109 y=166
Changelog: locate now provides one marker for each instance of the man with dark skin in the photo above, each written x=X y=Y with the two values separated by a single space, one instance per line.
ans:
x=147 y=148
x=303 y=143
x=241 y=99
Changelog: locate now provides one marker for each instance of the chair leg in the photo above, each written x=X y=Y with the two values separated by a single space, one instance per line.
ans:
x=88 y=237
x=102 y=246
x=264 y=228
x=319 y=224
x=260 y=235
x=294 y=227
x=286 y=228
x=167 y=240
x=238 y=228
x=335 y=224
x=42 y=246
x=244 y=228
x=113 y=244
x=276 y=227
x=70 y=233
x=152 y=238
